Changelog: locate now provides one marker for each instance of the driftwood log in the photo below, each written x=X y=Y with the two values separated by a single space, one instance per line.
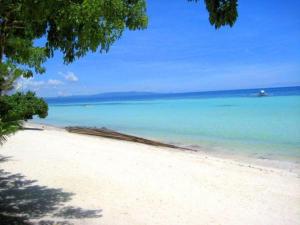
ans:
x=104 y=132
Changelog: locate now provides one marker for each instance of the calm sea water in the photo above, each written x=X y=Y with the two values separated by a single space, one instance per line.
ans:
x=227 y=121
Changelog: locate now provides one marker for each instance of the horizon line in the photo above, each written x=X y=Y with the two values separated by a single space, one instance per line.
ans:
x=166 y=93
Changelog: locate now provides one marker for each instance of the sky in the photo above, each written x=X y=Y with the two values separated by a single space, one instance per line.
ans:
x=181 y=52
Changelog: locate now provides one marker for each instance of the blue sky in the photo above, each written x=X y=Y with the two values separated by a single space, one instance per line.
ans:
x=181 y=52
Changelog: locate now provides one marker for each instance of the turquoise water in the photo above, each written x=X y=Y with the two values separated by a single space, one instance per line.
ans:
x=268 y=126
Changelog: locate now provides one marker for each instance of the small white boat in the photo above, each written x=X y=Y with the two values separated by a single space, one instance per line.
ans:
x=262 y=93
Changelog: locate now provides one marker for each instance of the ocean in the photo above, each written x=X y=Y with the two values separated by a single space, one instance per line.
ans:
x=231 y=122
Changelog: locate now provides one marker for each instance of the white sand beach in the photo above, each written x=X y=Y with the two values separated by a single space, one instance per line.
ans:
x=137 y=184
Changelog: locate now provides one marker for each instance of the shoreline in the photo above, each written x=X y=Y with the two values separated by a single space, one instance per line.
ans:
x=119 y=182
x=242 y=158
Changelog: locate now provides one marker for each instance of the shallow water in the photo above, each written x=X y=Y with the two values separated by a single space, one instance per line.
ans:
x=233 y=123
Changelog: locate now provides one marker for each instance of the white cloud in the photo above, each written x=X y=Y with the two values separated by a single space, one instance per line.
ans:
x=69 y=76
x=18 y=86
x=54 y=82
x=62 y=93
x=30 y=83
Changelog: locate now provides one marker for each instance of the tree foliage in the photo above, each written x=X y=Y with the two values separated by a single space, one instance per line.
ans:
x=73 y=27
x=221 y=12
x=17 y=108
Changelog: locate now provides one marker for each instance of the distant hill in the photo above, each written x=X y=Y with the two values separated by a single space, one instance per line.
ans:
x=122 y=94
x=107 y=95
x=134 y=95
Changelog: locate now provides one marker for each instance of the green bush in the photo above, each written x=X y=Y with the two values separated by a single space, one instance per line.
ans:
x=19 y=107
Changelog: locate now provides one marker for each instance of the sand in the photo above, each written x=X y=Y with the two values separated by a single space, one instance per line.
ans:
x=136 y=184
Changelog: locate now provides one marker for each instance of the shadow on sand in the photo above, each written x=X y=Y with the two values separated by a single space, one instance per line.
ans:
x=23 y=202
